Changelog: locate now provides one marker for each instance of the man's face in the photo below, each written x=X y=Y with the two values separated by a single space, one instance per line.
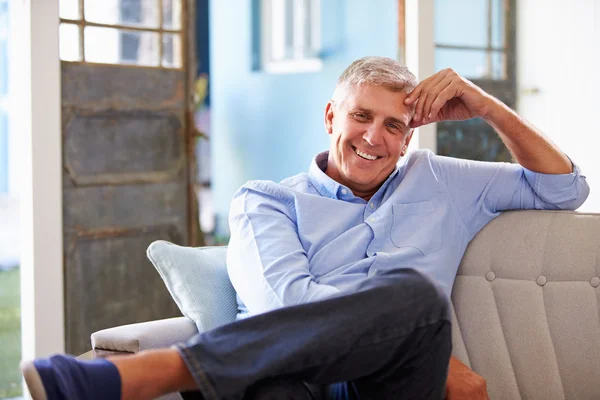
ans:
x=369 y=132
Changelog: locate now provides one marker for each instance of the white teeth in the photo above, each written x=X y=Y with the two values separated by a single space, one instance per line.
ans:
x=365 y=155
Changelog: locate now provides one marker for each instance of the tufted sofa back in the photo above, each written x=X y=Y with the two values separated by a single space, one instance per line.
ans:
x=526 y=306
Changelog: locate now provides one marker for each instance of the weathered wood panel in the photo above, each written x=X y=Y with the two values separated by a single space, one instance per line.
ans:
x=110 y=87
x=125 y=169
x=136 y=146
x=110 y=282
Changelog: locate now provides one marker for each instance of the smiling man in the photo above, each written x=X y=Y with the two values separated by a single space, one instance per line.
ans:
x=344 y=273
x=369 y=135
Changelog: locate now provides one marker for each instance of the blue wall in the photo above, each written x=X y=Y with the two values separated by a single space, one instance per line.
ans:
x=266 y=126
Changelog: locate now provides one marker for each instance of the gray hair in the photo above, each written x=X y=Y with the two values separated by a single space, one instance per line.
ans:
x=379 y=71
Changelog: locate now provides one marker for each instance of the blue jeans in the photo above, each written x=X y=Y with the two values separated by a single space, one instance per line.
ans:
x=387 y=338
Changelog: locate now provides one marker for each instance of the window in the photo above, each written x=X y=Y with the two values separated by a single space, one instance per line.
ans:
x=471 y=38
x=476 y=38
x=134 y=32
x=287 y=36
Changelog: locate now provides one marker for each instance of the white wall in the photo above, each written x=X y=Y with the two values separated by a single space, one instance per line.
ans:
x=558 y=54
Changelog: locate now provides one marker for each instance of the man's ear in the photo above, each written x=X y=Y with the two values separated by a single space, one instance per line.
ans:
x=407 y=142
x=329 y=117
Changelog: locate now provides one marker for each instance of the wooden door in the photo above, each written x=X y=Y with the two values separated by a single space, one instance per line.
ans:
x=126 y=158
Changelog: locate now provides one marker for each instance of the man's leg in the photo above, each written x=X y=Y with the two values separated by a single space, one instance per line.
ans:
x=389 y=338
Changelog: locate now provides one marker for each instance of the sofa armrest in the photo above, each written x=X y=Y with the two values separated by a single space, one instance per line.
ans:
x=142 y=336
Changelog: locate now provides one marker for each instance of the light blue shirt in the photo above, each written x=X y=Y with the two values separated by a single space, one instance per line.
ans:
x=308 y=237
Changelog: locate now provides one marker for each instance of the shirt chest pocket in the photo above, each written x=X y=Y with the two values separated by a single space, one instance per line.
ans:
x=415 y=225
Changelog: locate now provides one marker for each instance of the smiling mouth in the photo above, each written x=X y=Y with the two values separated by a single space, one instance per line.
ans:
x=364 y=155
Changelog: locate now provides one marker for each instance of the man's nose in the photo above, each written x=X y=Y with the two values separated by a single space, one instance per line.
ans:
x=373 y=135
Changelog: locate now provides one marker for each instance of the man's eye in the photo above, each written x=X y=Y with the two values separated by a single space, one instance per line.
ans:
x=361 y=116
x=394 y=127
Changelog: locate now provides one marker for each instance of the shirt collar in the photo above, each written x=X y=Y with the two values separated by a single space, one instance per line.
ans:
x=327 y=187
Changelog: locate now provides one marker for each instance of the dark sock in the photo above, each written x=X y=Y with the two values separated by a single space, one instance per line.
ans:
x=64 y=378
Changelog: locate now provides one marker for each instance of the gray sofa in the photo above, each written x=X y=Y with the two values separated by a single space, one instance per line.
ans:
x=525 y=308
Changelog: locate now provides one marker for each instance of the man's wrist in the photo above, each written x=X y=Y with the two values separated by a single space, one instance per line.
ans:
x=495 y=111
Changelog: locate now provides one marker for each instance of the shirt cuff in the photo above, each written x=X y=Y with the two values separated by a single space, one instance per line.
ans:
x=559 y=188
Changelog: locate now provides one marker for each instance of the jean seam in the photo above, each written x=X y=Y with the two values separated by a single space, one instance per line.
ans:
x=198 y=373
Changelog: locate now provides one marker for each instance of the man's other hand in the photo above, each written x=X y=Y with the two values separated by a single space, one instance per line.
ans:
x=464 y=384
x=447 y=96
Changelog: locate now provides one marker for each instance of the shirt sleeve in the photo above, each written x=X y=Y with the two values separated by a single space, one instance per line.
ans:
x=481 y=190
x=266 y=261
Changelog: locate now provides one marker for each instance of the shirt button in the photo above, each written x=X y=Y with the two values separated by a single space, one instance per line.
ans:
x=371 y=205
x=344 y=191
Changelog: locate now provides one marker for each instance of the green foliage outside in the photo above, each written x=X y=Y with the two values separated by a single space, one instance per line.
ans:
x=10 y=334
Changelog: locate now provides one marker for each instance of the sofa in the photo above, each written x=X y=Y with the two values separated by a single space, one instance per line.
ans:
x=525 y=308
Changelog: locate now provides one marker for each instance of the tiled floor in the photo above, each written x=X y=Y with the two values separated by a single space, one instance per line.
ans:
x=9 y=231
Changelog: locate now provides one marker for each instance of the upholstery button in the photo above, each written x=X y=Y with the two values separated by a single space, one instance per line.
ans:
x=595 y=281
x=490 y=276
x=541 y=280
x=344 y=191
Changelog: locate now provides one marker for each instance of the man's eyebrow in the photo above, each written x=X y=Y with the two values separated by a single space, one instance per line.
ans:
x=360 y=109
x=370 y=112
x=397 y=121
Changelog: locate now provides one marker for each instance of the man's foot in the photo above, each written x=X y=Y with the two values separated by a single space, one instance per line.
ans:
x=65 y=378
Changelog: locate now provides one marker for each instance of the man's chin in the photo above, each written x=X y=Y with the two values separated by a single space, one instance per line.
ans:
x=363 y=183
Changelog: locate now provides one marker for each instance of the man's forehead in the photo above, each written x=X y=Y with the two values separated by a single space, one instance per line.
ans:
x=396 y=110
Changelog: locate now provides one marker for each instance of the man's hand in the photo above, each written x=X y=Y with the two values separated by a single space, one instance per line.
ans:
x=463 y=383
x=447 y=96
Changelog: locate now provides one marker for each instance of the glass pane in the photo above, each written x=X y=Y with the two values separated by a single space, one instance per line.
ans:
x=472 y=64
x=473 y=139
x=464 y=25
x=498 y=26
x=10 y=300
x=498 y=65
x=139 y=13
x=69 y=9
x=3 y=20
x=3 y=157
x=68 y=36
x=278 y=30
x=172 y=14
x=3 y=71
x=119 y=46
x=171 y=50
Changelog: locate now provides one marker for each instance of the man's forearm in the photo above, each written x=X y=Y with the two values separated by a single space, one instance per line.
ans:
x=531 y=148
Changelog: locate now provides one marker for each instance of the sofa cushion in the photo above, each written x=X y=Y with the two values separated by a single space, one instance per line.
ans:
x=526 y=299
x=198 y=282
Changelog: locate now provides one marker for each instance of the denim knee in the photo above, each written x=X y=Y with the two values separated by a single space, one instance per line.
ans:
x=398 y=289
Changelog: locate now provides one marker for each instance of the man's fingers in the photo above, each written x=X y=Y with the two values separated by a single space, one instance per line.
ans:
x=433 y=96
x=442 y=98
x=416 y=92
x=426 y=93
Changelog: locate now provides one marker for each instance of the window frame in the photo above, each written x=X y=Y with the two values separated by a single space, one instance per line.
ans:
x=264 y=37
x=82 y=23
x=505 y=87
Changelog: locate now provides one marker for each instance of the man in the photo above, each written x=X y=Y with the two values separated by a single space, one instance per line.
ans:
x=343 y=274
